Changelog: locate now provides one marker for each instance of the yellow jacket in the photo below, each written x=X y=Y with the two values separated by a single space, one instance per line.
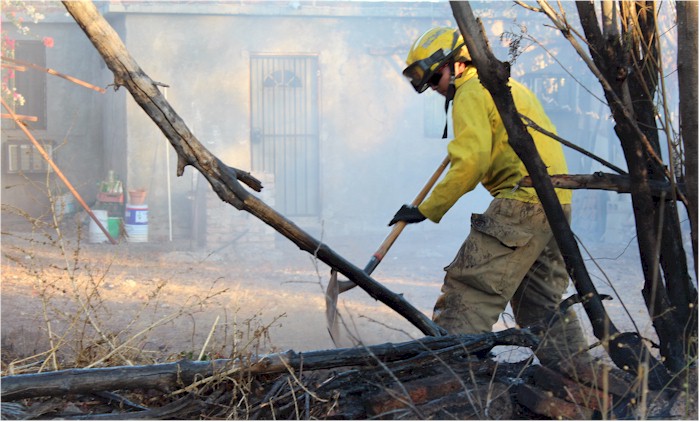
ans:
x=480 y=151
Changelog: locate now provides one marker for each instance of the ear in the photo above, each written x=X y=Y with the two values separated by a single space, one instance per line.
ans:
x=459 y=68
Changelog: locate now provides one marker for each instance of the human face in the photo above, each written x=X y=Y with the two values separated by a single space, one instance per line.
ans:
x=440 y=80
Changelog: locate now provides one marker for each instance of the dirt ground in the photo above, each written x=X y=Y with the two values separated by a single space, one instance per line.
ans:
x=162 y=300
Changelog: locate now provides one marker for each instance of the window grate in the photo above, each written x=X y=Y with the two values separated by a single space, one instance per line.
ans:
x=22 y=157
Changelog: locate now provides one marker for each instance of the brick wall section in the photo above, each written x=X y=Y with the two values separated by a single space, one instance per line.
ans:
x=239 y=229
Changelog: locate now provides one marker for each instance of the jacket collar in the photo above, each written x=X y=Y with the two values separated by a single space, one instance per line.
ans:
x=468 y=74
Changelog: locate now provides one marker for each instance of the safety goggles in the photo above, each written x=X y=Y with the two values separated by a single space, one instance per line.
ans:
x=419 y=73
x=436 y=78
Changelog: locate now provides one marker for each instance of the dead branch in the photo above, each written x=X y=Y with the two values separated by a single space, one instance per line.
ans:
x=222 y=178
x=601 y=181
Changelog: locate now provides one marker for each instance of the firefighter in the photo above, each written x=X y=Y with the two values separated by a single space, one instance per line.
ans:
x=510 y=254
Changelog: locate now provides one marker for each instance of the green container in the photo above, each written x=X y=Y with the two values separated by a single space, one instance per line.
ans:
x=113 y=224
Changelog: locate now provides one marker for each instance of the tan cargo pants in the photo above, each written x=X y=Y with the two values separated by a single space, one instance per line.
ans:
x=510 y=255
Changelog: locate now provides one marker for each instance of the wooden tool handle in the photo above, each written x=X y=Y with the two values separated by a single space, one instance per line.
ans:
x=399 y=226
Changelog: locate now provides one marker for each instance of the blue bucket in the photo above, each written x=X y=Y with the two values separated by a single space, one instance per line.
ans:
x=136 y=215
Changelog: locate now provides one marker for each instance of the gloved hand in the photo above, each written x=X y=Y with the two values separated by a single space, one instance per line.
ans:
x=407 y=213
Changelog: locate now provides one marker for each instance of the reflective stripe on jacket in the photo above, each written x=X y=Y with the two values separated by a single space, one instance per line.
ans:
x=480 y=151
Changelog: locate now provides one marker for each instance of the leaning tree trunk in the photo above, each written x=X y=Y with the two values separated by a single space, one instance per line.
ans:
x=223 y=179
x=628 y=349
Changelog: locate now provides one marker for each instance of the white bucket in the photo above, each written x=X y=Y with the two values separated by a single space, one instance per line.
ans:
x=95 y=234
x=136 y=223
x=136 y=233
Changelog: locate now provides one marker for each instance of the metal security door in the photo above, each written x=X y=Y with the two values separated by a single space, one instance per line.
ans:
x=284 y=125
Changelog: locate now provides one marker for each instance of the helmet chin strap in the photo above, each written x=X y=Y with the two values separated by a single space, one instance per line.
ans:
x=449 y=95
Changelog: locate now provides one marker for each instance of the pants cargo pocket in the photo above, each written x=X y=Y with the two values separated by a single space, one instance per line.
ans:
x=486 y=259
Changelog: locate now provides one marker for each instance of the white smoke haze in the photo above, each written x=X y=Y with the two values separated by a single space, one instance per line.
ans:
x=309 y=97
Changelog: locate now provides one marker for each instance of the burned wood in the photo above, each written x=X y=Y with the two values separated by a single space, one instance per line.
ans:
x=180 y=374
x=445 y=398
x=601 y=181
x=178 y=409
x=417 y=392
x=543 y=403
x=82 y=381
x=120 y=401
x=430 y=378
x=436 y=387
x=493 y=400
x=593 y=394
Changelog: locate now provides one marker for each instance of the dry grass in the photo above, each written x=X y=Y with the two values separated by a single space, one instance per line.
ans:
x=75 y=315
x=82 y=321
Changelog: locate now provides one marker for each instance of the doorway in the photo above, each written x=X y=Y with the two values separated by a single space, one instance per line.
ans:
x=284 y=129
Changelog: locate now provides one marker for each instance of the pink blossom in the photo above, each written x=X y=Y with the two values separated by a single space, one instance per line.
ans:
x=48 y=42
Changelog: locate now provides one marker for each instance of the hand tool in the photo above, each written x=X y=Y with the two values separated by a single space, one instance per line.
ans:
x=335 y=286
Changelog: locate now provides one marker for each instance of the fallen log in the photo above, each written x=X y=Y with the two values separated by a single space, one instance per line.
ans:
x=429 y=378
x=169 y=376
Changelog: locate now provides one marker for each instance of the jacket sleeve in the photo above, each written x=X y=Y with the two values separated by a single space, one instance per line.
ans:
x=469 y=151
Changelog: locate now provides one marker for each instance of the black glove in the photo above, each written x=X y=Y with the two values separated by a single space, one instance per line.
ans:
x=407 y=213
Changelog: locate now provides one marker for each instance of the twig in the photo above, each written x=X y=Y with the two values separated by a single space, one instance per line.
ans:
x=206 y=342
x=531 y=123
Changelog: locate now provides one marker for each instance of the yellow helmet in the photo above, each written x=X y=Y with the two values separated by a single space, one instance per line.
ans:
x=430 y=52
